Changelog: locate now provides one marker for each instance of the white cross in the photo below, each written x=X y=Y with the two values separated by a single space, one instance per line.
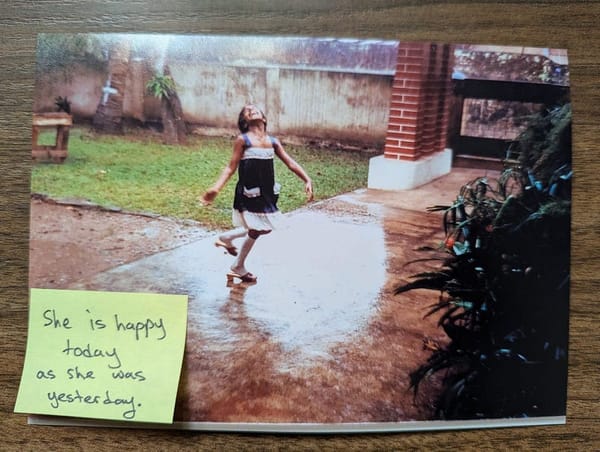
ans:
x=107 y=90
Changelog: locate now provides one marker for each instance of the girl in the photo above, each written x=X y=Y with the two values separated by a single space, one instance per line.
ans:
x=255 y=203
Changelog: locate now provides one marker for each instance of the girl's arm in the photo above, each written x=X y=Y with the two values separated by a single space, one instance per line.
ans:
x=295 y=168
x=227 y=172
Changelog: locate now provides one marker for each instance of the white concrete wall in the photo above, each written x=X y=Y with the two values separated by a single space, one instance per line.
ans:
x=213 y=95
x=81 y=85
x=389 y=174
x=334 y=104
x=313 y=103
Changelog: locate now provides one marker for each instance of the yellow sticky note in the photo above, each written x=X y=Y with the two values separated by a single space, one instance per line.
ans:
x=103 y=355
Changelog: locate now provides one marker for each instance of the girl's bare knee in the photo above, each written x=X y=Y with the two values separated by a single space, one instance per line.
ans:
x=254 y=233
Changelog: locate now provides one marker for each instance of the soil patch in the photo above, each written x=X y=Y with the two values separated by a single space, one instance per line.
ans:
x=71 y=242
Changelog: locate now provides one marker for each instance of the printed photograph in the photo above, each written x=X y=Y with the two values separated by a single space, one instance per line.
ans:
x=372 y=234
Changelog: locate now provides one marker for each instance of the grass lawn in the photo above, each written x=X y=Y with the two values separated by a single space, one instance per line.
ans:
x=141 y=174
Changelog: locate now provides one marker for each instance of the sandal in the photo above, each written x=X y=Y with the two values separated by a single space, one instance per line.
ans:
x=247 y=277
x=230 y=248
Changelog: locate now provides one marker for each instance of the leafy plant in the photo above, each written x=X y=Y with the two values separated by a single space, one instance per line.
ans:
x=161 y=86
x=504 y=284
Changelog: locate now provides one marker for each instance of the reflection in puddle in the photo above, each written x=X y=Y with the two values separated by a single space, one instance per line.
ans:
x=317 y=288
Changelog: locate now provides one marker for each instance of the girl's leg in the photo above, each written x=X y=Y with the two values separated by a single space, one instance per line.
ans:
x=238 y=266
x=226 y=240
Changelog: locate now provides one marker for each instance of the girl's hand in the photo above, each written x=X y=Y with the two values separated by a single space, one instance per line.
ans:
x=309 y=190
x=208 y=197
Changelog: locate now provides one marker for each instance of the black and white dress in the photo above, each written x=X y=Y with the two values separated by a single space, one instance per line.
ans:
x=256 y=192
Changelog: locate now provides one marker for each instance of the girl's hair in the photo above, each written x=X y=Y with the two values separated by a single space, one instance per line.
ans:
x=243 y=124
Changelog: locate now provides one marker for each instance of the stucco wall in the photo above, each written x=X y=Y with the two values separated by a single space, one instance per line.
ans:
x=346 y=106
x=82 y=86
x=312 y=103
x=213 y=95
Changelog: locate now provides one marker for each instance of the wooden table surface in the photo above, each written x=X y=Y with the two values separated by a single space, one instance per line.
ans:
x=573 y=25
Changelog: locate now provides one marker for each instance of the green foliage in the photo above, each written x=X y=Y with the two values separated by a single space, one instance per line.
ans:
x=144 y=175
x=504 y=285
x=161 y=86
x=541 y=146
x=59 y=52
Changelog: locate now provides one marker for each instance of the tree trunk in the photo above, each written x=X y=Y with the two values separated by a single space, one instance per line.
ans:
x=170 y=135
x=109 y=114
x=177 y=111
x=175 y=129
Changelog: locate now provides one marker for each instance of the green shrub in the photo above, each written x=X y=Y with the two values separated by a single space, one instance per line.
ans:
x=504 y=285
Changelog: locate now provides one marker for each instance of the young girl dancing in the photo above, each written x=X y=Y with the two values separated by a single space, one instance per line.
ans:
x=255 y=203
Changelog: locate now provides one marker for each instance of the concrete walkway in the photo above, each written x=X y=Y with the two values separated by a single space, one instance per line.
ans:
x=318 y=277
x=322 y=280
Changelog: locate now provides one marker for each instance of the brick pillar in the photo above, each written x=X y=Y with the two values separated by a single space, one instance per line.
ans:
x=418 y=118
x=415 y=149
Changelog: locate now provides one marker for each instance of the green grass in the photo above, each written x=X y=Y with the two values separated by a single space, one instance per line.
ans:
x=141 y=174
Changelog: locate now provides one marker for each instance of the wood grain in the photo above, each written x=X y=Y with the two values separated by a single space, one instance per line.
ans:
x=572 y=25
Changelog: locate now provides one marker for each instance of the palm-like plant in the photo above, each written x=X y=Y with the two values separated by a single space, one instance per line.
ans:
x=504 y=284
x=163 y=87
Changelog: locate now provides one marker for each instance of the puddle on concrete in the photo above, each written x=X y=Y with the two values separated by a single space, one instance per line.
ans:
x=318 y=284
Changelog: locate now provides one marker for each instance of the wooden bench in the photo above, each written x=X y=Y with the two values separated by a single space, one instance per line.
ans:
x=62 y=122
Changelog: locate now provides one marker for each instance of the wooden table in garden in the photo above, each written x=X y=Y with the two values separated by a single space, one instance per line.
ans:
x=60 y=121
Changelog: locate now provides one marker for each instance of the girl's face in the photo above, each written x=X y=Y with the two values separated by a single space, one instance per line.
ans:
x=253 y=113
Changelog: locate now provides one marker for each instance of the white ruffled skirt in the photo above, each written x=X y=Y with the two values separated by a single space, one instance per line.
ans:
x=257 y=221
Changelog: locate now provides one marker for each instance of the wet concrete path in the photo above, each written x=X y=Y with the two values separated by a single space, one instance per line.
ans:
x=318 y=279
x=320 y=337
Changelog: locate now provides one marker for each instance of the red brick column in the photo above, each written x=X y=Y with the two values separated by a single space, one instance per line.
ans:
x=418 y=119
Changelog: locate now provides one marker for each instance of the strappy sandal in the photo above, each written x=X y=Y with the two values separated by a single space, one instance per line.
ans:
x=229 y=248
x=247 y=277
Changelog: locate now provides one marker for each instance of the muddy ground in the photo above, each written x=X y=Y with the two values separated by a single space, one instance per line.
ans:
x=72 y=241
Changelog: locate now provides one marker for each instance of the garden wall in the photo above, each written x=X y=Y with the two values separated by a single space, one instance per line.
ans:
x=81 y=85
x=315 y=103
